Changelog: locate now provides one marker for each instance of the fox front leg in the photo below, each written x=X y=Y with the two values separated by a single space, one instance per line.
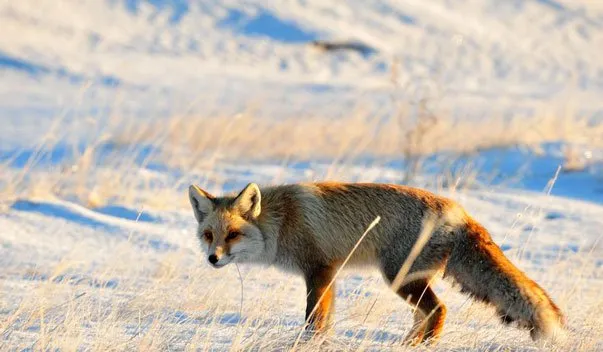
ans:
x=320 y=298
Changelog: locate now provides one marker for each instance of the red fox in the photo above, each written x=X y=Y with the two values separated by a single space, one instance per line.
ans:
x=310 y=229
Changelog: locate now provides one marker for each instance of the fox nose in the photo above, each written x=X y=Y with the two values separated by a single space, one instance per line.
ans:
x=213 y=259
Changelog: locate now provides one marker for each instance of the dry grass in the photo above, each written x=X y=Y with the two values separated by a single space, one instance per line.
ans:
x=416 y=131
x=194 y=146
x=128 y=299
x=132 y=300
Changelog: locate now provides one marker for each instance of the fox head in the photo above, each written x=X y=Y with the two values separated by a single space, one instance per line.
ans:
x=227 y=228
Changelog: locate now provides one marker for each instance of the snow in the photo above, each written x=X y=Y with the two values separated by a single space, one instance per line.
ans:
x=97 y=244
x=239 y=50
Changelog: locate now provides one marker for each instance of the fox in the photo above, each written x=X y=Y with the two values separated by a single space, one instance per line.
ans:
x=310 y=229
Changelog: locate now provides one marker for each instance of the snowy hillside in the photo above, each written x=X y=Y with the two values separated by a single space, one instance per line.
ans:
x=476 y=46
x=484 y=57
x=109 y=109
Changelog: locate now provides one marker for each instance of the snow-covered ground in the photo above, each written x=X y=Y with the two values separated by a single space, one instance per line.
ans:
x=99 y=102
x=124 y=278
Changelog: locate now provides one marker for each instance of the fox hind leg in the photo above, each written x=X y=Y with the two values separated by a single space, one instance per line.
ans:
x=429 y=315
x=417 y=331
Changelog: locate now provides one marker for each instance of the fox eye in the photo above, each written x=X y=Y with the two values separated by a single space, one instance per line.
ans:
x=208 y=235
x=232 y=235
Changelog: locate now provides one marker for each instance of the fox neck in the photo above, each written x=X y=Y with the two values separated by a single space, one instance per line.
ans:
x=270 y=231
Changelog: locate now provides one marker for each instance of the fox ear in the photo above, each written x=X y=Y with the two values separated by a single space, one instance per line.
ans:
x=248 y=201
x=201 y=201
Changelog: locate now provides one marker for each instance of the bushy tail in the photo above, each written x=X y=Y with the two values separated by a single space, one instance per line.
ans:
x=483 y=271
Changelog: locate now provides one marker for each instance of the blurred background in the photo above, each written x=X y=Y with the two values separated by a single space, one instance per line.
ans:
x=306 y=80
